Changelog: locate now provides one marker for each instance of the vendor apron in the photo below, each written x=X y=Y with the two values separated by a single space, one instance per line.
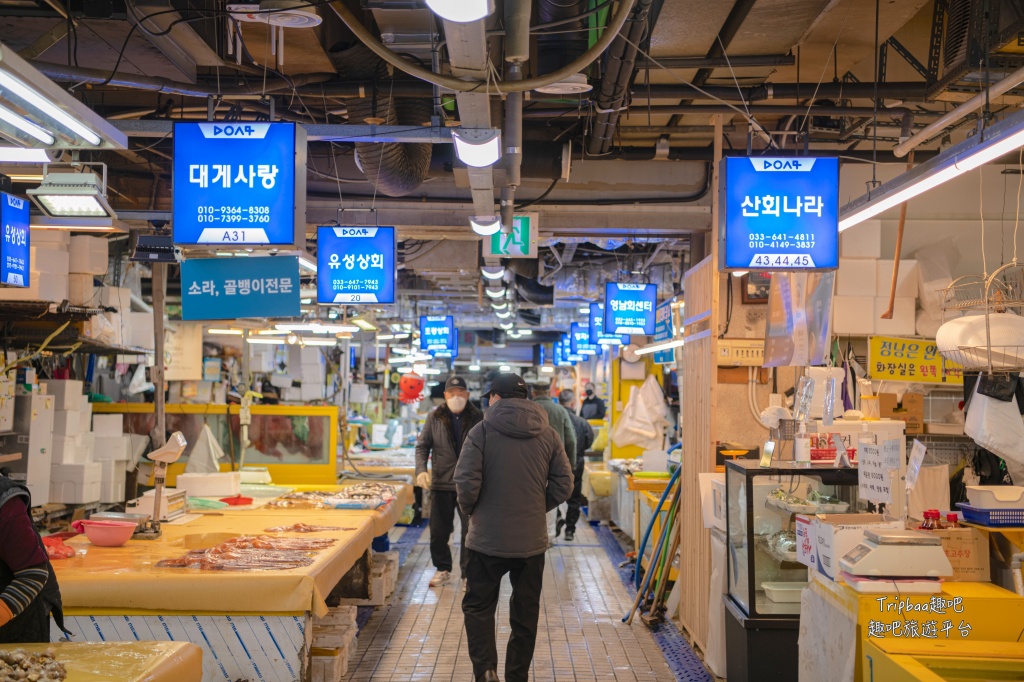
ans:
x=32 y=625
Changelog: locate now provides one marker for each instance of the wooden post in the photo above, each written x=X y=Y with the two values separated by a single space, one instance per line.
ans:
x=159 y=434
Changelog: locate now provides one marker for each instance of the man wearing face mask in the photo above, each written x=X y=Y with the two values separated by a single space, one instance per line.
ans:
x=593 y=407
x=441 y=438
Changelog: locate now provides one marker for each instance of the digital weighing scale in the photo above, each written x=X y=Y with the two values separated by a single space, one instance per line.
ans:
x=907 y=561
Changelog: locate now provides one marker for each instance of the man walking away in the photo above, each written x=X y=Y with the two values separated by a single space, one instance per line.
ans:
x=593 y=407
x=442 y=438
x=512 y=470
x=560 y=422
x=584 y=439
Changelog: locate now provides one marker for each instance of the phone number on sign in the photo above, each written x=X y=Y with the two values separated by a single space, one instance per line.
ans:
x=233 y=214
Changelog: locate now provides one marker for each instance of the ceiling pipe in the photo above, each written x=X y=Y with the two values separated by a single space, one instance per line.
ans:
x=517 y=51
x=620 y=64
x=609 y=34
x=951 y=117
x=743 y=61
x=912 y=91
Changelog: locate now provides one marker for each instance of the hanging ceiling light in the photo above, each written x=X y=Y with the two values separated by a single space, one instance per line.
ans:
x=506 y=325
x=20 y=155
x=505 y=368
x=499 y=306
x=28 y=96
x=226 y=332
x=72 y=195
x=504 y=314
x=495 y=293
x=461 y=11
x=485 y=227
x=477 y=147
x=655 y=347
x=266 y=342
x=997 y=140
x=493 y=273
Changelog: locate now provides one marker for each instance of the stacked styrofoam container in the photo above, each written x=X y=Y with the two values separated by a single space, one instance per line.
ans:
x=863 y=283
x=333 y=644
x=48 y=279
x=113 y=450
x=313 y=372
x=74 y=478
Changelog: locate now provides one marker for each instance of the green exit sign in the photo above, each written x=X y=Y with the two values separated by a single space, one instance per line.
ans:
x=521 y=242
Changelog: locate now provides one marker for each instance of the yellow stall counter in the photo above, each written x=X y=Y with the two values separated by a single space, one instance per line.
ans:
x=915 y=661
x=127 y=580
x=126 y=661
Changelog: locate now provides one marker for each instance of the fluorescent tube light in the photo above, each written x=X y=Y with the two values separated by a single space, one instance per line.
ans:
x=226 y=332
x=485 y=227
x=26 y=126
x=474 y=367
x=20 y=155
x=477 y=147
x=431 y=371
x=739 y=273
x=585 y=310
x=505 y=368
x=999 y=139
x=461 y=11
x=13 y=86
x=385 y=337
x=664 y=345
x=526 y=332
x=365 y=325
x=268 y=342
x=307 y=263
x=548 y=369
x=319 y=342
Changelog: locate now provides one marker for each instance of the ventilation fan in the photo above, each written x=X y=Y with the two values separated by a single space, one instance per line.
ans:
x=279 y=15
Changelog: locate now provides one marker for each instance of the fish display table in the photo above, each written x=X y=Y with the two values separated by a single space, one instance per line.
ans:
x=126 y=661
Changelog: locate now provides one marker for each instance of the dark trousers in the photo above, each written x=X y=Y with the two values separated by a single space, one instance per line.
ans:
x=481 y=600
x=572 y=514
x=443 y=505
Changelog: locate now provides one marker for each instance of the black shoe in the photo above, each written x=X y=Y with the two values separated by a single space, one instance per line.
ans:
x=489 y=676
x=570 y=535
x=558 y=527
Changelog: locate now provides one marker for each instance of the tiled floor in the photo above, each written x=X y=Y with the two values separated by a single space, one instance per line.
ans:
x=581 y=637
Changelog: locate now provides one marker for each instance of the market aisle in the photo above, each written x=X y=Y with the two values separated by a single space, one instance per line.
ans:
x=581 y=637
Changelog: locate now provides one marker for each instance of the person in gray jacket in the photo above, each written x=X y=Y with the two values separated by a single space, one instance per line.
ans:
x=559 y=421
x=584 y=439
x=442 y=437
x=513 y=469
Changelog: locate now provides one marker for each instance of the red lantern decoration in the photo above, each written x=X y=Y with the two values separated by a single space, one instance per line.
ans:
x=410 y=388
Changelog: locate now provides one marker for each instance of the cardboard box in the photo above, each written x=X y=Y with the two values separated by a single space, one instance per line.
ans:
x=108 y=424
x=82 y=290
x=968 y=554
x=67 y=422
x=904 y=317
x=67 y=395
x=906 y=281
x=835 y=535
x=862 y=241
x=88 y=255
x=856 y=277
x=910 y=411
x=853 y=315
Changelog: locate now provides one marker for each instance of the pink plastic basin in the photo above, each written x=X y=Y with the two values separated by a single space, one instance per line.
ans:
x=106 y=533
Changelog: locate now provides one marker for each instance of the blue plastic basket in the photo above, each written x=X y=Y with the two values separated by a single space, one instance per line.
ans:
x=992 y=517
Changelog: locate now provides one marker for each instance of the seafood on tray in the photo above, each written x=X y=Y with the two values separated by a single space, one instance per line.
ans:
x=19 y=665
x=304 y=528
x=257 y=553
x=361 y=496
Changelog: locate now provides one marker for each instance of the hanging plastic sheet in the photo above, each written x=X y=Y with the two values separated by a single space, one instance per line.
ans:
x=799 y=319
x=643 y=421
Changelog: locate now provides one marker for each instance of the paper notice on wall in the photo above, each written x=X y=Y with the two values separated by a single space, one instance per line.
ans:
x=877 y=466
x=914 y=465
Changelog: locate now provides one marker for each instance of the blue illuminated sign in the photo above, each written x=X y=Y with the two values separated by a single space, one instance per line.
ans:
x=355 y=265
x=229 y=288
x=579 y=340
x=436 y=332
x=663 y=332
x=235 y=183
x=597 y=328
x=629 y=308
x=14 y=254
x=780 y=213
x=452 y=352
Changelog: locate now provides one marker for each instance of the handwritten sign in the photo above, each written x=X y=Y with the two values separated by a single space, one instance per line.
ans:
x=912 y=360
x=876 y=464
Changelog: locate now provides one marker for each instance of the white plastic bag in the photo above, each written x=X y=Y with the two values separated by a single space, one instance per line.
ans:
x=935 y=265
x=206 y=454
x=643 y=421
x=996 y=426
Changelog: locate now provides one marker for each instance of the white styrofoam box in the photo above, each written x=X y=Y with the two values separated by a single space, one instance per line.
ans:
x=66 y=451
x=49 y=261
x=926 y=325
x=304 y=355
x=281 y=380
x=226 y=484
x=338 y=615
x=73 y=492
x=6 y=413
x=906 y=281
x=67 y=394
x=108 y=424
x=856 y=277
x=139 y=444
x=66 y=422
x=88 y=255
x=142 y=335
x=291 y=394
x=86 y=445
x=86 y=473
x=904 y=317
x=42 y=287
x=52 y=239
x=862 y=241
x=81 y=290
x=116 y=297
x=311 y=391
x=853 y=315
x=112 y=448
x=112 y=483
x=86 y=410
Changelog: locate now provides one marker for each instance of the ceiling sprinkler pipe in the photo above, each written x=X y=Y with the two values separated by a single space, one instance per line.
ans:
x=583 y=61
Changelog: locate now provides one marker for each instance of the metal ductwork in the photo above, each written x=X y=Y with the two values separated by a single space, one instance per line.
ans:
x=533 y=292
x=394 y=169
x=618 y=74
